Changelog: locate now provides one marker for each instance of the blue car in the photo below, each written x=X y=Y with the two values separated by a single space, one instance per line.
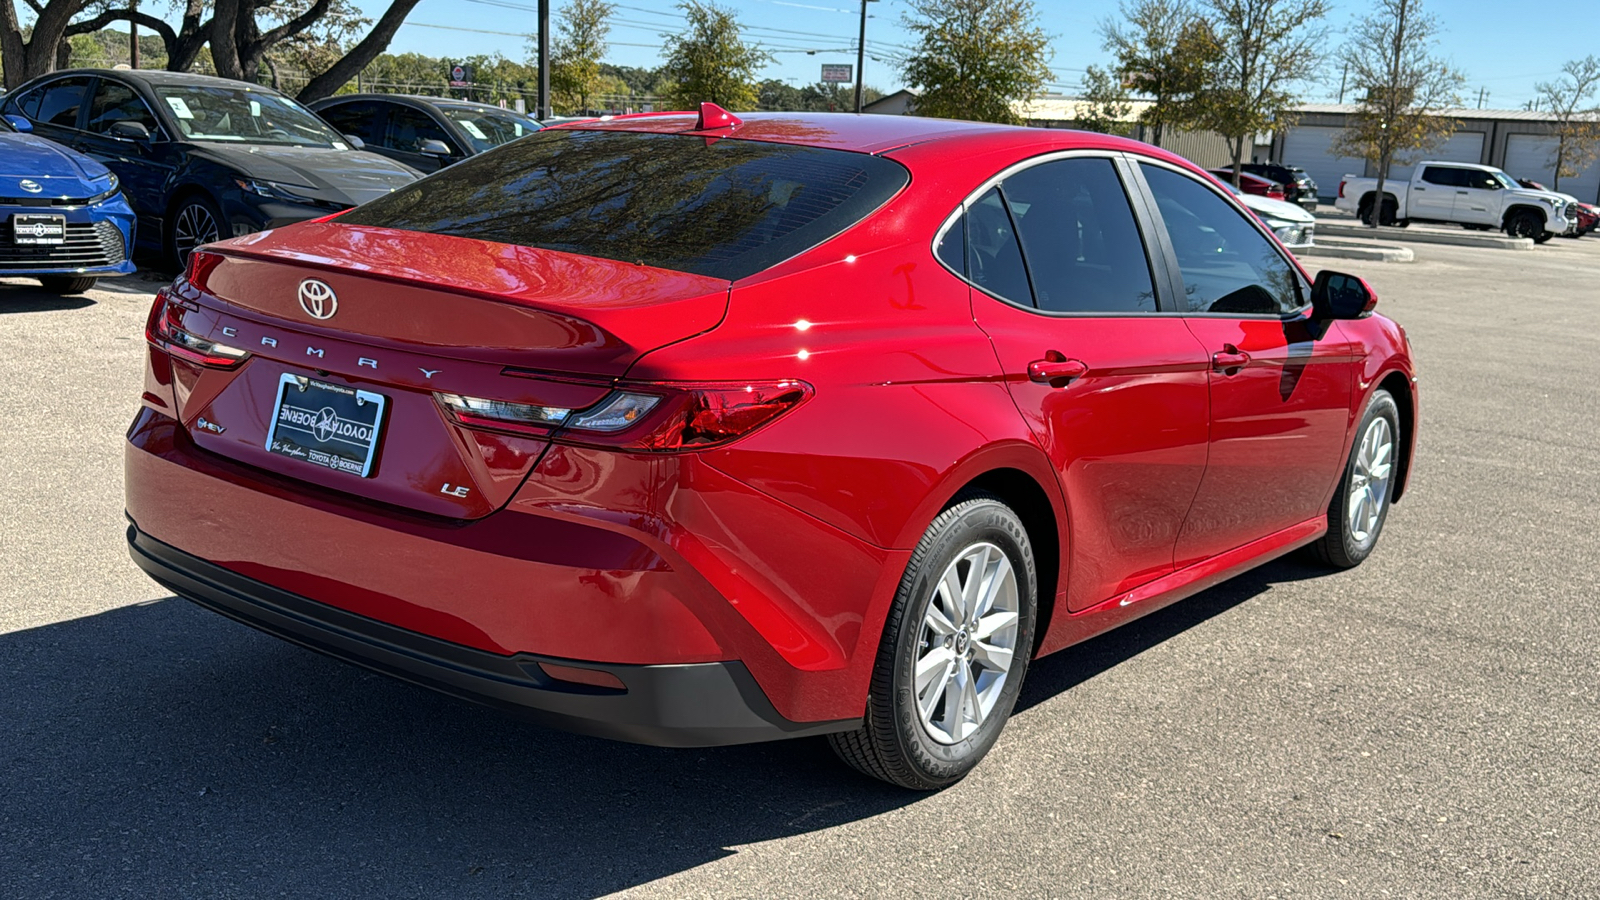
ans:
x=63 y=219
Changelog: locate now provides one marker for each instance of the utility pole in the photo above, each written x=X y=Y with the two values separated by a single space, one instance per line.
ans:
x=1342 y=79
x=544 y=61
x=1483 y=94
x=861 y=53
x=133 y=34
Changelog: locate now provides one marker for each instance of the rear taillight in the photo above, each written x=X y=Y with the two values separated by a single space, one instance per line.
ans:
x=1341 y=189
x=660 y=417
x=164 y=329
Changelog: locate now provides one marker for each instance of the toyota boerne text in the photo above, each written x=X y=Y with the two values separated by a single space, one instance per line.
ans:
x=692 y=430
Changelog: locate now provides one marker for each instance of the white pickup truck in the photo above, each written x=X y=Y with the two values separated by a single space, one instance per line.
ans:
x=1477 y=197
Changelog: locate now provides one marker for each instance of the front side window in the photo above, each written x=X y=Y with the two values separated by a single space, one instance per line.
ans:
x=115 y=102
x=1228 y=265
x=243 y=115
x=408 y=128
x=725 y=208
x=60 y=101
x=1079 y=238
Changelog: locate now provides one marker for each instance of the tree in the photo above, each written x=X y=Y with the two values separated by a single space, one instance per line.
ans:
x=1404 y=89
x=975 y=59
x=709 y=61
x=1268 y=47
x=1166 y=52
x=1577 y=128
x=25 y=54
x=356 y=58
x=575 y=57
x=1104 y=105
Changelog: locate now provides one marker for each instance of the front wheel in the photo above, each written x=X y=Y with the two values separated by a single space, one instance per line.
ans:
x=1361 y=504
x=66 y=284
x=195 y=222
x=1527 y=224
x=954 y=650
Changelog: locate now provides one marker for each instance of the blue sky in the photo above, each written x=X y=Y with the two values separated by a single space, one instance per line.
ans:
x=1502 y=51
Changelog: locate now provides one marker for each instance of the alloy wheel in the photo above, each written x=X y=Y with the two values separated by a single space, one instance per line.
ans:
x=195 y=226
x=968 y=642
x=1369 y=483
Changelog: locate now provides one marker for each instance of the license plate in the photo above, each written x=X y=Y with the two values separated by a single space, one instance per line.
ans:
x=327 y=425
x=37 y=228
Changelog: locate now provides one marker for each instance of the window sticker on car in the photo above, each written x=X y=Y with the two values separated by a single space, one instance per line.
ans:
x=255 y=109
x=179 y=108
x=340 y=145
x=473 y=129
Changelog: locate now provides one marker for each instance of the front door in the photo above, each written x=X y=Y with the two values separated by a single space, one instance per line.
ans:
x=1114 y=389
x=1479 y=198
x=1280 y=394
x=141 y=166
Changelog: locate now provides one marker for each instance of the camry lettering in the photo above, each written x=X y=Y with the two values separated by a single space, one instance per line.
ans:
x=230 y=332
x=269 y=342
x=313 y=351
x=368 y=362
x=429 y=373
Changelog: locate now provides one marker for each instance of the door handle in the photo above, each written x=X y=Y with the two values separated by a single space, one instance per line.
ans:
x=1462 y=193
x=1056 y=370
x=1229 y=360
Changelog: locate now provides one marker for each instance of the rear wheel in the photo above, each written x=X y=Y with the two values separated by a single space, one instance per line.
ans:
x=1390 y=208
x=66 y=284
x=954 y=650
x=1361 y=504
x=194 y=222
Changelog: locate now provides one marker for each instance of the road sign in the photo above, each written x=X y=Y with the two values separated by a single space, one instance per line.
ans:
x=460 y=75
x=836 y=74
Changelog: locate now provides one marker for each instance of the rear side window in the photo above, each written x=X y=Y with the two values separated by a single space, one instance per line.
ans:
x=1444 y=176
x=994 y=261
x=722 y=208
x=1082 y=247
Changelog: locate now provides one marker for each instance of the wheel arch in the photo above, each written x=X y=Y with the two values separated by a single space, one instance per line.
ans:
x=1519 y=208
x=1399 y=387
x=1020 y=475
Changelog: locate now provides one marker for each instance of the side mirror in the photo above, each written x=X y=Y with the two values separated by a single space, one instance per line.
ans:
x=354 y=141
x=1336 y=295
x=434 y=147
x=20 y=124
x=129 y=131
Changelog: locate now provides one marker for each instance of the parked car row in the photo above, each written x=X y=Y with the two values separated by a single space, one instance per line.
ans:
x=99 y=162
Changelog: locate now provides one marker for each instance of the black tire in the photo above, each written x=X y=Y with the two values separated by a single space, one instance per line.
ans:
x=1527 y=224
x=1390 y=208
x=893 y=743
x=1345 y=546
x=196 y=209
x=66 y=284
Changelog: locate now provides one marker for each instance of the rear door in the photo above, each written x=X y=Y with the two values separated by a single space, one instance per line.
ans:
x=1280 y=394
x=1112 y=383
x=1433 y=196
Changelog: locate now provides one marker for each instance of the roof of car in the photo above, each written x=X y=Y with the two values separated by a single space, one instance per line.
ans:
x=162 y=76
x=415 y=99
x=865 y=133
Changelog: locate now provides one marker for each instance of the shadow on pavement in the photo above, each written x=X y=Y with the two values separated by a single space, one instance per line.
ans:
x=20 y=299
x=162 y=750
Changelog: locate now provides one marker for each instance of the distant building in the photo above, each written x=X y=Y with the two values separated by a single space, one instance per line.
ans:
x=1518 y=141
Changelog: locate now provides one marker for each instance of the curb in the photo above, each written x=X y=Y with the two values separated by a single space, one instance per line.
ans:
x=1414 y=236
x=1352 y=251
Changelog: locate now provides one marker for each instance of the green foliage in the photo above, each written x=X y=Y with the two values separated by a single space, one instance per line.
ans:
x=976 y=59
x=1167 y=52
x=1268 y=49
x=1577 y=128
x=710 y=61
x=775 y=95
x=1104 y=106
x=575 y=77
x=1404 y=89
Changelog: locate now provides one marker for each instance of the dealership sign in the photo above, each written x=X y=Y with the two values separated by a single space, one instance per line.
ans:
x=836 y=74
x=460 y=75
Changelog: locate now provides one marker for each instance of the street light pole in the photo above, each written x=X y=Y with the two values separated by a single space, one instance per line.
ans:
x=544 y=61
x=861 y=53
x=133 y=34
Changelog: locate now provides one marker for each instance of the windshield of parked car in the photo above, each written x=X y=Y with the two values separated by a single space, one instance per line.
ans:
x=486 y=128
x=244 y=115
x=722 y=208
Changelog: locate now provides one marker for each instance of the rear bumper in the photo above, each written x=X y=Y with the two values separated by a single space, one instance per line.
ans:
x=688 y=705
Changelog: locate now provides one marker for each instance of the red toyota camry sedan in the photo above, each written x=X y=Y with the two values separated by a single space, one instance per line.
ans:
x=690 y=430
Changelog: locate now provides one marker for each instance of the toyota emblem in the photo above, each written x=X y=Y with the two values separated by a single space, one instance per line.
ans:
x=317 y=299
x=31 y=186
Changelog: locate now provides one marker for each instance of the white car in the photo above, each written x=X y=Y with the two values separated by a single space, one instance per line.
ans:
x=1289 y=221
x=1478 y=197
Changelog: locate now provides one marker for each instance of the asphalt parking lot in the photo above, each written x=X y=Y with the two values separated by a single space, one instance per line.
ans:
x=1422 y=726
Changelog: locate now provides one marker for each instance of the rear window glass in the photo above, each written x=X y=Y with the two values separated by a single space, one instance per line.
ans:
x=722 y=208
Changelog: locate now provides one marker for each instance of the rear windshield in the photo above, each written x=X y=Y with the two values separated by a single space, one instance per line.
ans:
x=722 y=208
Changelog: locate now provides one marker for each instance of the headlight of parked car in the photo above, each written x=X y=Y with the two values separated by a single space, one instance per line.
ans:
x=273 y=190
x=106 y=194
